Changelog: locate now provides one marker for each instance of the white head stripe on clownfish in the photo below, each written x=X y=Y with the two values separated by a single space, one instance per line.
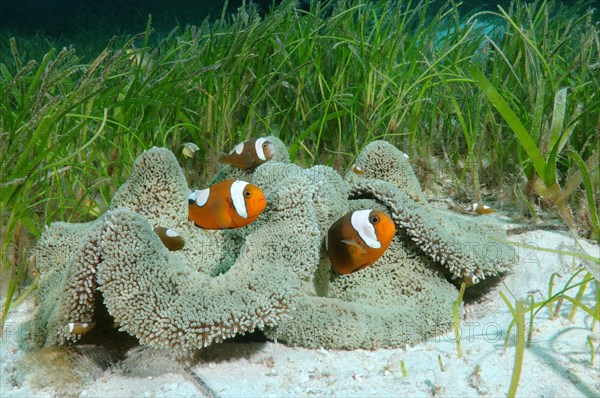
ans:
x=200 y=196
x=239 y=148
x=237 y=197
x=171 y=233
x=481 y=206
x=259 y=149
x=362 y=225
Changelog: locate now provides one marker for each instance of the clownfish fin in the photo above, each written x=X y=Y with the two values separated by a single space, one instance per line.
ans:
x=223 y=157
x=220 y=213
x=362 y=267
x=352 y=242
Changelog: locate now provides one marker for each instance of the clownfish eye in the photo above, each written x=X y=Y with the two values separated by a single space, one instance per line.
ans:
x=374 y=220
x=247 y=194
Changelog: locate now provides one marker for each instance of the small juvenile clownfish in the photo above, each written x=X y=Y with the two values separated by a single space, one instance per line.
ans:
x=170 y=238
x=480 y=209
x=189 y=148
x=249 y=154
x=227 y=204
x=358 y=239
x=470 y=280
x=80 y=327
x=357 y=169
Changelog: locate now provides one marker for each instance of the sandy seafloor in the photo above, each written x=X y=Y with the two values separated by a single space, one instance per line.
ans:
x=558 y=363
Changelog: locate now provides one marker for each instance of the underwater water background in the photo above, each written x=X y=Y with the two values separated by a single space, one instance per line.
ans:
x=69 y=19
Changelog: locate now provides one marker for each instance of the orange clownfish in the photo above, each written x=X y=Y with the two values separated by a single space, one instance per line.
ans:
x=249 y=154
x=358 y=239
x=357 y=169
x=227 y=204
x=480 y=209
x=170 y=238
x=80 y=327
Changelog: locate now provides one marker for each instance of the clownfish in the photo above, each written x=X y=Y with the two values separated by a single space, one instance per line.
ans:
x=170 y=238
x=249 y=154
x=189 y=148
x=357 y=169
x=80 y=327
x=358 y=239
x=227 y=204
x=470 y=280
x=480 y=209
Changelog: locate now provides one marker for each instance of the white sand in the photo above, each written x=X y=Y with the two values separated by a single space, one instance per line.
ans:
x=556 y=365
